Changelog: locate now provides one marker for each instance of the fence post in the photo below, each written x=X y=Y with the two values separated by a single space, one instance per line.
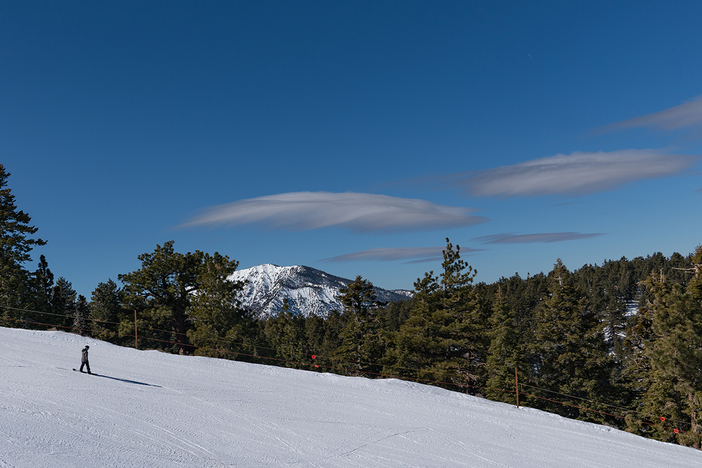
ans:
x=136 y=342
x=516 y=386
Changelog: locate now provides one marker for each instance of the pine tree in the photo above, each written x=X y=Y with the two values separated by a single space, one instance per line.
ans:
x=361 y=339
x=675 y=353
x=160 y=291
x=395 y=314
x=465 y=339
x=315 y=334
x=16 y=244
x=505 y=354
x=43 y=281
x=569 y=351
x=215 y=309
x=63 y=304
x=81 y=317
x=286 y=333
x=106 y=310
x=442 y=340
x=636 y=368
x=331 y=341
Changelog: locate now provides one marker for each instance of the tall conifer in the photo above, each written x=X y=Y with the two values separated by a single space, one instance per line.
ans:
x=161 y=291
x=569 y=351
x=506 y=353
x=43 y=281
x=81 y=317
x=16 y=243
x=675 y=390
x=286 y=333
x=361 y=345
x=63 y=304
x=106 y=310
x=215 y=312
x=443 y=338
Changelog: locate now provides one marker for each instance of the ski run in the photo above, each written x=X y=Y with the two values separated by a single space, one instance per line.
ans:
x=151 y=409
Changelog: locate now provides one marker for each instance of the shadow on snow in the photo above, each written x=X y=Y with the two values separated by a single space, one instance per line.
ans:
x=125 y=380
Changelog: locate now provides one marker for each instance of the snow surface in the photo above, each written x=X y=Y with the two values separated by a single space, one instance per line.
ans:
x=151 y=409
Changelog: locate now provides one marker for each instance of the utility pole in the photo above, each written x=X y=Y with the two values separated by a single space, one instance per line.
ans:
x=136 y=342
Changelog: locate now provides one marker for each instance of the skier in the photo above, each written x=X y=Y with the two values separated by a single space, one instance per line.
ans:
x=84 y=360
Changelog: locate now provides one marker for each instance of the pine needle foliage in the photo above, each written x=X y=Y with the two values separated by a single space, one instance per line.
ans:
x=16 y=242
x=441 y=341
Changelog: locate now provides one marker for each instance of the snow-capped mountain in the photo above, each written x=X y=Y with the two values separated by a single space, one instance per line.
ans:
x=309 y=291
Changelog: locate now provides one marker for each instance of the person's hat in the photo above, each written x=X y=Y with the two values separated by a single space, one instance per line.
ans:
x=86 y=346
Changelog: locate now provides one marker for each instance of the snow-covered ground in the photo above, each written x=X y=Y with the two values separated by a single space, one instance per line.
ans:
x=151 y=409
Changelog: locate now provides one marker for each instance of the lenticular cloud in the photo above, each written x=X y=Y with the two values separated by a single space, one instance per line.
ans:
x=359 y=212
x=685 y=115
x=574 y=174
x=546 y=237
x=390 y=254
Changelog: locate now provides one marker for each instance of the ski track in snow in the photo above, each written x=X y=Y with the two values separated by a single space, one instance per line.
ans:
x=152 y=409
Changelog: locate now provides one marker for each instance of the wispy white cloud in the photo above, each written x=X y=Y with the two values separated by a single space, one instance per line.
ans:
x=358 y=212
x=390 y=254
x=574 y=174
x=546 y=237
x=683 y=116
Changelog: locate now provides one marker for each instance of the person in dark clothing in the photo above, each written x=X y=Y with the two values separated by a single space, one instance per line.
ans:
x=84 y=360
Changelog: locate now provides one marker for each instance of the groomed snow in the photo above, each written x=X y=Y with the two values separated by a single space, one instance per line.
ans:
x=151 y=409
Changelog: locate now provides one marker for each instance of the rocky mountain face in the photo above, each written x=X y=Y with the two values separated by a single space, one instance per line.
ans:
x=309 y=291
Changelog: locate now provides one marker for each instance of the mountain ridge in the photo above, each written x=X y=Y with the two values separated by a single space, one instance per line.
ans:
x=309 y=291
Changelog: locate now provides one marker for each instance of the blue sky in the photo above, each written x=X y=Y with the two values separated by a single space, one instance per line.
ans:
x=353 y=137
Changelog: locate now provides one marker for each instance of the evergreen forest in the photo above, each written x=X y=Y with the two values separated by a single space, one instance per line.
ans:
x=618 y=344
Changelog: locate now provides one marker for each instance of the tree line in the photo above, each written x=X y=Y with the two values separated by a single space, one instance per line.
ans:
x=617 y=344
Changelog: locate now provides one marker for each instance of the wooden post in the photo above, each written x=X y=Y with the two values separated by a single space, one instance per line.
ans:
x=516 y=385
x=136 y=342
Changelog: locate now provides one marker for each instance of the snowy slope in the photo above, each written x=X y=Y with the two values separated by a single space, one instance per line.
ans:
x=309 y=291
x=151 y=409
